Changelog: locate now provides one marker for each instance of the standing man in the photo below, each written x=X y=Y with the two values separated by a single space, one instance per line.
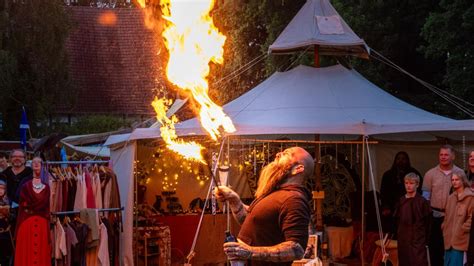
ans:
x=15 y=175
x=436 y=189
x=274 y=227
x=393 y=187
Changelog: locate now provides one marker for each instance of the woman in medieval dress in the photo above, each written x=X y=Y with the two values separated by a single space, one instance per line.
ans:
x=33 y=243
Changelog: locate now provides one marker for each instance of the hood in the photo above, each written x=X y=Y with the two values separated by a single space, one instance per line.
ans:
x=467 y=193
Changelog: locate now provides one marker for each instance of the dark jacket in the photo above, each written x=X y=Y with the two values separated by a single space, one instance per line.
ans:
x=14 y=182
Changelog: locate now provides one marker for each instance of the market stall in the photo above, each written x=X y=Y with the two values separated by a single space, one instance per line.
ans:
x=335 y=103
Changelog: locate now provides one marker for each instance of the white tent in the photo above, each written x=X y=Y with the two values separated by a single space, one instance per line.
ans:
x=318 y=23
x=331 y=100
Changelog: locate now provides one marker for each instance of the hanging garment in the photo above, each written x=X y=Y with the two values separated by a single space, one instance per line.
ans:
x=79 y=250
x=52 y=184
x=72 y=186
x=80 y=200
x=33 y=245
x=117 y=229
x=113 y=233
x=91 y=256
x=97 y=190
x=91 y=218
x=103 y=254
x=110 y=190
x=65 y=195
x=59 y=195
x=60 y=249
x=71 y=240
x=106 y=188
x=90 y=193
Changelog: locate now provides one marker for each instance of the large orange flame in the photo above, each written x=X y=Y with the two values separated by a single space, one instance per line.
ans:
x=141 y=3
x=193 y=42
x=189 y=150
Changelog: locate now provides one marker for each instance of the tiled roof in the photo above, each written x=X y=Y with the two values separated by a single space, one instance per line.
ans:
x=113 y=62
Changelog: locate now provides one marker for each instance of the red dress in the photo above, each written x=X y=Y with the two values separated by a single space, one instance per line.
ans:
x=33 y=243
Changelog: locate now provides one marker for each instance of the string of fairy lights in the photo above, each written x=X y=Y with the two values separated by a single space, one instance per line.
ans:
x=171 y=168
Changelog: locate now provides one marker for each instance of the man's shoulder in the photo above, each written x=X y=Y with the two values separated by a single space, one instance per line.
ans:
x=420 y=198
x=413 y=170
x=28 y=170
x=292 y=190
x=432 y=171
x=388 y=172
x=293 y=199
x=8 y=171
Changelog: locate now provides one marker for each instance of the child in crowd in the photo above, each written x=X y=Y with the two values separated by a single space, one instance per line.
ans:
x=5 y=234
x=413 y=216
x=457 y=222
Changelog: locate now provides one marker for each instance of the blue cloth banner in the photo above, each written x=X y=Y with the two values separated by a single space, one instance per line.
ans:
x=24 y=126
x=63 y=155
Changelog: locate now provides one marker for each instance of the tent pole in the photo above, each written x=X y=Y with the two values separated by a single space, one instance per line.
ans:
x=316 y=56
x=363 y=203
x=227 y=183
x=317 y=174
x=213 y=180
x=135 y=205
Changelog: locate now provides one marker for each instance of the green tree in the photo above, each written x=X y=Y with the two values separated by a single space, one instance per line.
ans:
x=250 y=26
x=393 y=28
x=450 y=36
x=32 y=59
x=92 y=124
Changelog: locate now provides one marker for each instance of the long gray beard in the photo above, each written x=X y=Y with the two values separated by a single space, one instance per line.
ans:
x=271 y=178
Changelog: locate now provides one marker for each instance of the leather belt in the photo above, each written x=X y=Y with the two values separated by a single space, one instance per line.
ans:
x=438 y=209
x=3 y=230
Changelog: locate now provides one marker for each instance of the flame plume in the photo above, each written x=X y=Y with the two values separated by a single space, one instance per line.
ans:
x=189 y=150
x=193 y=42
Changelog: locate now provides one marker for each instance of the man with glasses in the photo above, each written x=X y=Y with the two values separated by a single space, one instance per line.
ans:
x=15 y=175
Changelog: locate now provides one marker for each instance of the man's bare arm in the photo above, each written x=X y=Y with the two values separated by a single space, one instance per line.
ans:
x=239 y=210
x=283 y=252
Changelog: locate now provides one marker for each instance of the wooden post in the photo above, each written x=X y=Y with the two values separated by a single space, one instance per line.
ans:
x=316 y=56
x=318 y=187
x=363 y=203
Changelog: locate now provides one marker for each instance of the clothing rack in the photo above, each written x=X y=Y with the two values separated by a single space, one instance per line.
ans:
x=77 y=212
x=74 y=162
